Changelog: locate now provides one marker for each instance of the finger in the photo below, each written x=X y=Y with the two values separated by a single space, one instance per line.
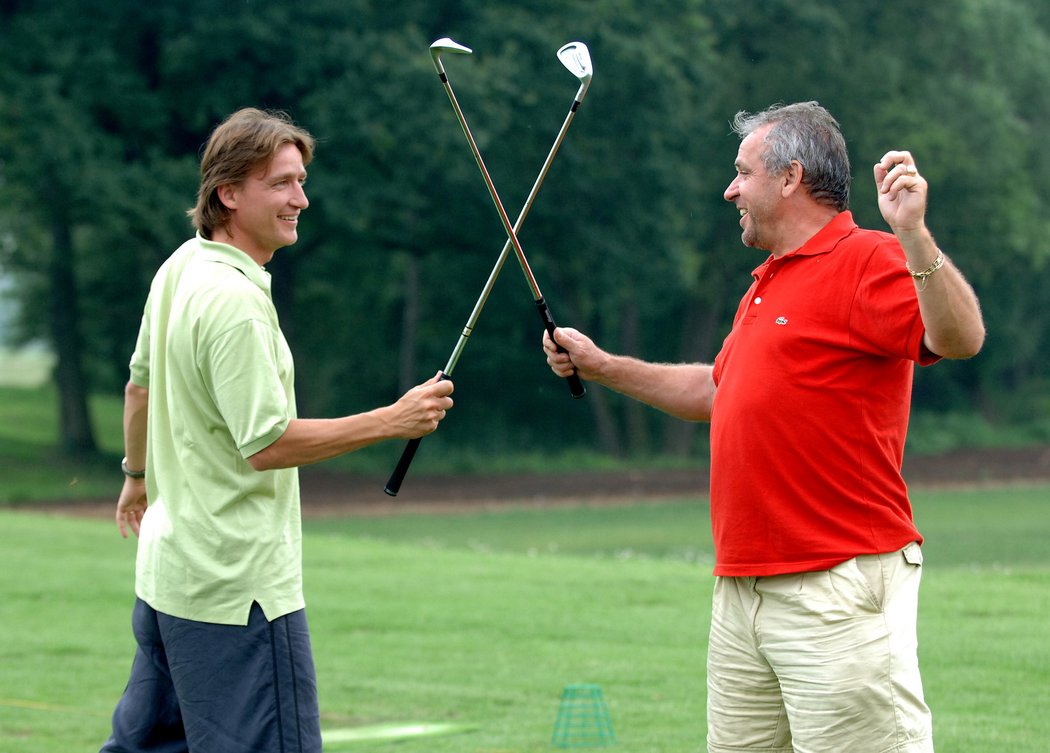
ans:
x=444 y=388
x=128 y=519
x=556 y=359
x=561 y=364
x=564 y=335
x=904 y=180
x=895 y=157
x=904 y=170
x=893 y=167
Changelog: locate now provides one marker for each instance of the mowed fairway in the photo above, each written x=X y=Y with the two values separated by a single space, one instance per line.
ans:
x=481 y=619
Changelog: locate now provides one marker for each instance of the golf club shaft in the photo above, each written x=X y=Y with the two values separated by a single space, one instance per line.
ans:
x=393 y=485
x=575 y=384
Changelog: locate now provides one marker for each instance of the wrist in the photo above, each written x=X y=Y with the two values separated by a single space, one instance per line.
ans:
x=130 y=472
x=923 y=276
x=382 y=423
x=912 y=234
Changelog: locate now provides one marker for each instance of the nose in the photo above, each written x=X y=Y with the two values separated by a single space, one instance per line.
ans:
x=299 y=199
x=731 y=191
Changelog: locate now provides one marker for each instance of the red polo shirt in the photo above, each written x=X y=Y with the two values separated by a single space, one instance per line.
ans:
x=811 y=408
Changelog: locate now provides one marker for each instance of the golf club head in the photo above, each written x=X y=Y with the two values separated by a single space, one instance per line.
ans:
x=446 y=45
x=577 y=58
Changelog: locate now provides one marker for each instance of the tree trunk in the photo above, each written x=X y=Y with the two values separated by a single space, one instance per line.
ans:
x=76 y=436
x=697 y=345
x=406 y=372
x=598 y=398
x=636 y=413
x=283 y=269
x=608 y=434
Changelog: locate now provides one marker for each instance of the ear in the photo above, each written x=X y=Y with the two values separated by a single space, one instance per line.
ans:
x=792 y=178
x=228 y=194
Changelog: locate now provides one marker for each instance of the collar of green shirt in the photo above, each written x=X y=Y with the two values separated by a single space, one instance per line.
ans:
x=233 y=256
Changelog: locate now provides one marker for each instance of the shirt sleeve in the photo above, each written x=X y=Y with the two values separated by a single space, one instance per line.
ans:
x=885 y=318
x=139 y=366
x=242 y=369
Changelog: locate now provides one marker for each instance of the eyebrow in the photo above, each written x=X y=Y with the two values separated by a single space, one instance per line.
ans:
x=290 y=175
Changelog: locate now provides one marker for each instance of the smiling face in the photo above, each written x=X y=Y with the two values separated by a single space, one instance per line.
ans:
x=265 y=208
x=756 y=194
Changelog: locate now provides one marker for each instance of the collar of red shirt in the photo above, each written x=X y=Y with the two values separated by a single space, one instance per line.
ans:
x=823 y=242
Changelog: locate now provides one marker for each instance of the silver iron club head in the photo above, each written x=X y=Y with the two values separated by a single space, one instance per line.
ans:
x=577 y=58
x=448 y=45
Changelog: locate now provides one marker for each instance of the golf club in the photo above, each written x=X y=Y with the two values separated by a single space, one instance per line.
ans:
x=447 y=45
x=577 y=59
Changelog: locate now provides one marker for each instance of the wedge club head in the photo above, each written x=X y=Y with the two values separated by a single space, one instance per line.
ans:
x=577 y=58
x=446 y=45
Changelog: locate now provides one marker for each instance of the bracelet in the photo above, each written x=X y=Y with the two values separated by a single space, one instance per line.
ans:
x=924 y=274
x=130 y=473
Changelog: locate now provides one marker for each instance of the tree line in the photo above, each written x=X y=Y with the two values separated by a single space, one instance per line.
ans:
x=104 y=108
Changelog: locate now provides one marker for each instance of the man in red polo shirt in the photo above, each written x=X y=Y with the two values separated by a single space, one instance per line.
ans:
x=813 y=633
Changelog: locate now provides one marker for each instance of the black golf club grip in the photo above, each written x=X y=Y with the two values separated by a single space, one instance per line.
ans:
x=393 y=486
x=575 y=383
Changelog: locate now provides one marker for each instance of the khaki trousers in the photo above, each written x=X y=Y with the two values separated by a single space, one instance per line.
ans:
x=819 y=662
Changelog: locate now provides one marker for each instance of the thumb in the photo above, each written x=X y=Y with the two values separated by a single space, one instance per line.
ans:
x=563 y=335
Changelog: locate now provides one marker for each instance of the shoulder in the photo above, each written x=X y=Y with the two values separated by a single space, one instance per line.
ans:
x=870 y=252
x=222 y=283
x=216 y=299
x=874 y=243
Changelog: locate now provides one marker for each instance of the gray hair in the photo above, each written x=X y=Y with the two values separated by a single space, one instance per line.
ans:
x=805 y=132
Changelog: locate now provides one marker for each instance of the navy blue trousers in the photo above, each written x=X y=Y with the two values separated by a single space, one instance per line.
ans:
x=197 y=687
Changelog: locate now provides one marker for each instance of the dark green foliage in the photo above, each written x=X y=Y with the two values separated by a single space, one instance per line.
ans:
x=104 y=107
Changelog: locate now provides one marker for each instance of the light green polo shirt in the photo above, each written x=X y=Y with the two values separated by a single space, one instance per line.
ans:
x=218 y=534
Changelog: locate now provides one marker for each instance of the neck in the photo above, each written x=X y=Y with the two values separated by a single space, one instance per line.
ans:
x=222 y=235
x=804 y=224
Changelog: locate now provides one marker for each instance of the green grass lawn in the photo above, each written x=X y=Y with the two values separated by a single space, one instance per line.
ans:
x=482 y=619
x=31 y=468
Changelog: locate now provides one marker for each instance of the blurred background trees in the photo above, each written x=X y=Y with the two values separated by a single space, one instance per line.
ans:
x=105 y=106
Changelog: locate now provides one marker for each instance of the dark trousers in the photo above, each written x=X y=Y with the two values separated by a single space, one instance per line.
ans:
x=203 y=688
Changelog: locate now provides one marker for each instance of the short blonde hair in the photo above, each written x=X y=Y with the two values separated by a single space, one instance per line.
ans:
x=246 y=140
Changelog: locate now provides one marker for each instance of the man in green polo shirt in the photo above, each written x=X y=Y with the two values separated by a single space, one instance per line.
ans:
x=212 y=444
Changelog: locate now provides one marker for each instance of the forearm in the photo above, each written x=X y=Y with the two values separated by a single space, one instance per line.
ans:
x=312 y=440
x=136 y=410
x=685 y=391
x=948 y=305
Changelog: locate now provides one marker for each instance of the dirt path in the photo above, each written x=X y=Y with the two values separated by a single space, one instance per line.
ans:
x=325 y=493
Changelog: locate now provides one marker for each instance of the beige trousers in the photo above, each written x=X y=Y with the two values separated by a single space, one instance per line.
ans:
x=819 y=662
